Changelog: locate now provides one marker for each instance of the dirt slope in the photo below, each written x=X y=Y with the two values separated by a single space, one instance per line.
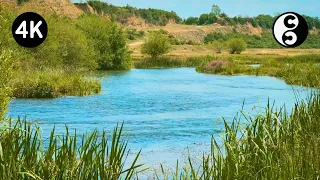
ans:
x=61 y=7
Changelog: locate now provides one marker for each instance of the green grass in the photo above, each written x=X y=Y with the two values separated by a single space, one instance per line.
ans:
x=171 y=62
x=23 y=154
x=52 y=84
x=294 y=70
x=272 y=145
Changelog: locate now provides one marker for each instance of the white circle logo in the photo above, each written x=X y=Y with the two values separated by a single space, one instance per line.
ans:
x=290 y=29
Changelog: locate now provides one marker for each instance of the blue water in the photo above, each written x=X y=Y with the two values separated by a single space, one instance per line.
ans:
x=168 y=113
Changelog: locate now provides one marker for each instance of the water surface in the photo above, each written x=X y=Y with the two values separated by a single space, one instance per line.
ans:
x=168 y=113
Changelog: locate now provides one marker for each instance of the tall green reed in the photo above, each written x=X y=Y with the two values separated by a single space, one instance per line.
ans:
x=23 y=154
x=274 y=145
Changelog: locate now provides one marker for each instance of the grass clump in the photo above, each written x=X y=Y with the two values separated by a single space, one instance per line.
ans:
x=224 y=68
x=171 y=62
x=273 y=145
x=25 y=155
x=52 y=84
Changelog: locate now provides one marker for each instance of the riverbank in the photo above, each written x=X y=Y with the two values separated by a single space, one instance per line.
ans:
x=300 y=69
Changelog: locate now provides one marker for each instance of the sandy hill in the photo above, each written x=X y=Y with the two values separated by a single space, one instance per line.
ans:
x=61 y=7
x=197 y=33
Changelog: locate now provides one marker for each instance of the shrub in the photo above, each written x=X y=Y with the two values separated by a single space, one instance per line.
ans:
x=236 y=46
x=156 y=45
x=218 y=46
x=5 y=76
x=52 y=84
x=109 y=40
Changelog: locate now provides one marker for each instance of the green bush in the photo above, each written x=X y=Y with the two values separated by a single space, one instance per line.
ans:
x=218 y=46
x=52 y=84
x=109 y=40
x=236 y=46
x=171 y=62
x=5 y=77
x=155 y=45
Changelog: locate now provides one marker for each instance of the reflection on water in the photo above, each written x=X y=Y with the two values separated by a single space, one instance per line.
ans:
x=167 y=112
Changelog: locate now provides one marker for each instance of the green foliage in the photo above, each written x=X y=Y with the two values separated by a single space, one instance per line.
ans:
x=133 y=34
x=266 y=40
x=203 y=19
x=25 y=154
x=21 y=1
x=65 y=46
x=52 y=84
x=171 y=62
x=5 y=76
x=155 y=45
x=216 y=10
x=224 y=68
x=192 y=21
x=217 y=46
x=109 y=40
x=236 y=46
x=274 y=144
x=122 y=14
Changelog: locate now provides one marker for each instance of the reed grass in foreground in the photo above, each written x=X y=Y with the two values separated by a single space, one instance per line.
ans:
x=273 y=145
x=23 y=155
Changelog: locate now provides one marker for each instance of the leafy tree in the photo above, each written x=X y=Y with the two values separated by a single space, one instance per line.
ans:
x=212 y=18
x=191 y=20
x=216 y=10
x=236 y=46
x=109 y=41
x=203 y=19
x=155 y=45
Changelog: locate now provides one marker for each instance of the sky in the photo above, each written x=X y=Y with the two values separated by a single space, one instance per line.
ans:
x=186 y=8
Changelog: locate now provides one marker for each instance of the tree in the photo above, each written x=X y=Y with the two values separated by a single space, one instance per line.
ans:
x=236 y=46
x=203 y=19
x=212 y=18
x=109 y=41
x=191 y=21
x=155 y=45
x=216 y=10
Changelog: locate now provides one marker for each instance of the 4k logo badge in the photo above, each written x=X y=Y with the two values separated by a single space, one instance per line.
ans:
x=29 y=29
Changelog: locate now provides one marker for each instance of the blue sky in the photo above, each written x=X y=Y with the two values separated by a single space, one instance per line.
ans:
x=186 y=8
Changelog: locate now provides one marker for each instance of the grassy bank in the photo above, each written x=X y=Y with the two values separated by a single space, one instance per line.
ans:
x=273 y=145
x=296 y=70
x=171 y=62
x=52 y=84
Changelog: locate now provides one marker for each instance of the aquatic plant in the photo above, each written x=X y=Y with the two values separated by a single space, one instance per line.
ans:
x=273 y=145
x=24 y=154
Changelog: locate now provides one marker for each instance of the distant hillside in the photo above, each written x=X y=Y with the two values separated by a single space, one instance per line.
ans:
x=60 y=7
x=128 y=13
x=162 y=18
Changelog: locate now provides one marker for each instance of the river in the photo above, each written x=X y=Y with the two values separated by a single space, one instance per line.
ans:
x=168 y=113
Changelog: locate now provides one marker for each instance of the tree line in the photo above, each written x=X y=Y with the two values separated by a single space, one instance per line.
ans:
x=122 y=14
x=161 y=17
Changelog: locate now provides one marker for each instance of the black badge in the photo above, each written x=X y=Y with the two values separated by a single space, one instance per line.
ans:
x=290 y=30
x=29 y=29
